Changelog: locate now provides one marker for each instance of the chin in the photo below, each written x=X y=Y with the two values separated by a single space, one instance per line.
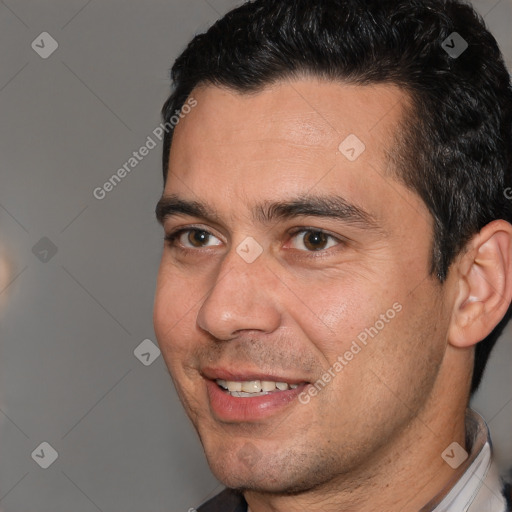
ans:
x=245 y=469
x=285 y=484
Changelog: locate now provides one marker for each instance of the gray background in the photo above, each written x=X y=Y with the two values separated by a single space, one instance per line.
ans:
x=69 y=326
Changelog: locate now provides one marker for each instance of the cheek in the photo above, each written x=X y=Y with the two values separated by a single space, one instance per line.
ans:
x=176 y=303
x=405 y=356
x=335 y=313
x=384 y=334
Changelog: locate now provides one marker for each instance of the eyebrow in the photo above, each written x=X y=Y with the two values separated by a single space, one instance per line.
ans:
x=331 y=206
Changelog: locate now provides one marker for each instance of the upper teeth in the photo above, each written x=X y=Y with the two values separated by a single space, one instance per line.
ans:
x=254 y=386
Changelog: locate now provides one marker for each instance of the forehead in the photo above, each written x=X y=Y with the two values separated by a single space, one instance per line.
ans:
x=308 y=111
x=287 y=138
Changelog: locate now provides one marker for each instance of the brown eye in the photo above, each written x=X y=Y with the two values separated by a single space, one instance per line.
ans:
x=312 y=240
x=192 y=238
x=197 y=238
x=315 y=240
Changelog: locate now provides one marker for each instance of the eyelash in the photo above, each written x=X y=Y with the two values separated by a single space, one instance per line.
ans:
x=172 y=237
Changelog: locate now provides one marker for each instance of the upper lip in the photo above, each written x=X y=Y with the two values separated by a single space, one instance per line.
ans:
x=240 y=375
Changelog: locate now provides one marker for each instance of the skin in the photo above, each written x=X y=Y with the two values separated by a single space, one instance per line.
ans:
x=376 y=432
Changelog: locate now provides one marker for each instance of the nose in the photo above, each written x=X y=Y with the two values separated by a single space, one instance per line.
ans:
x=241 y=299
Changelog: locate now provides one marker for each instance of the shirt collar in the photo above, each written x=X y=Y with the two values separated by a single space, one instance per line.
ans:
x=476 y=485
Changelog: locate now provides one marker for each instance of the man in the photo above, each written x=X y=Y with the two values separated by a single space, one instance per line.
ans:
x=338 y=255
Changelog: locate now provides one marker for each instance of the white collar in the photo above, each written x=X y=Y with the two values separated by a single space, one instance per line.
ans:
x=476 y=486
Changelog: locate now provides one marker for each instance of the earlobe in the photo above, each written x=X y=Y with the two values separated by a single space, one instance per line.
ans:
x=485 y=285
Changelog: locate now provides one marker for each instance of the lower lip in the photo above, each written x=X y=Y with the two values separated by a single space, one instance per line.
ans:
x=229 y=408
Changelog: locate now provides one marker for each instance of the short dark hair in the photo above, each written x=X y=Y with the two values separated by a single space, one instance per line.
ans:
x=456 y=141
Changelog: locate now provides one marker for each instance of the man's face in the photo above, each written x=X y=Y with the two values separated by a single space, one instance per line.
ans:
x=303 y=254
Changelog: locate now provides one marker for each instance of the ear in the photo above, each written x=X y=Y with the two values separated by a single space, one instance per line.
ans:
x=484 y=275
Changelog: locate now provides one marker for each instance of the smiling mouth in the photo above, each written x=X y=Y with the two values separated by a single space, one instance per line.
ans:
x=253 y=388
